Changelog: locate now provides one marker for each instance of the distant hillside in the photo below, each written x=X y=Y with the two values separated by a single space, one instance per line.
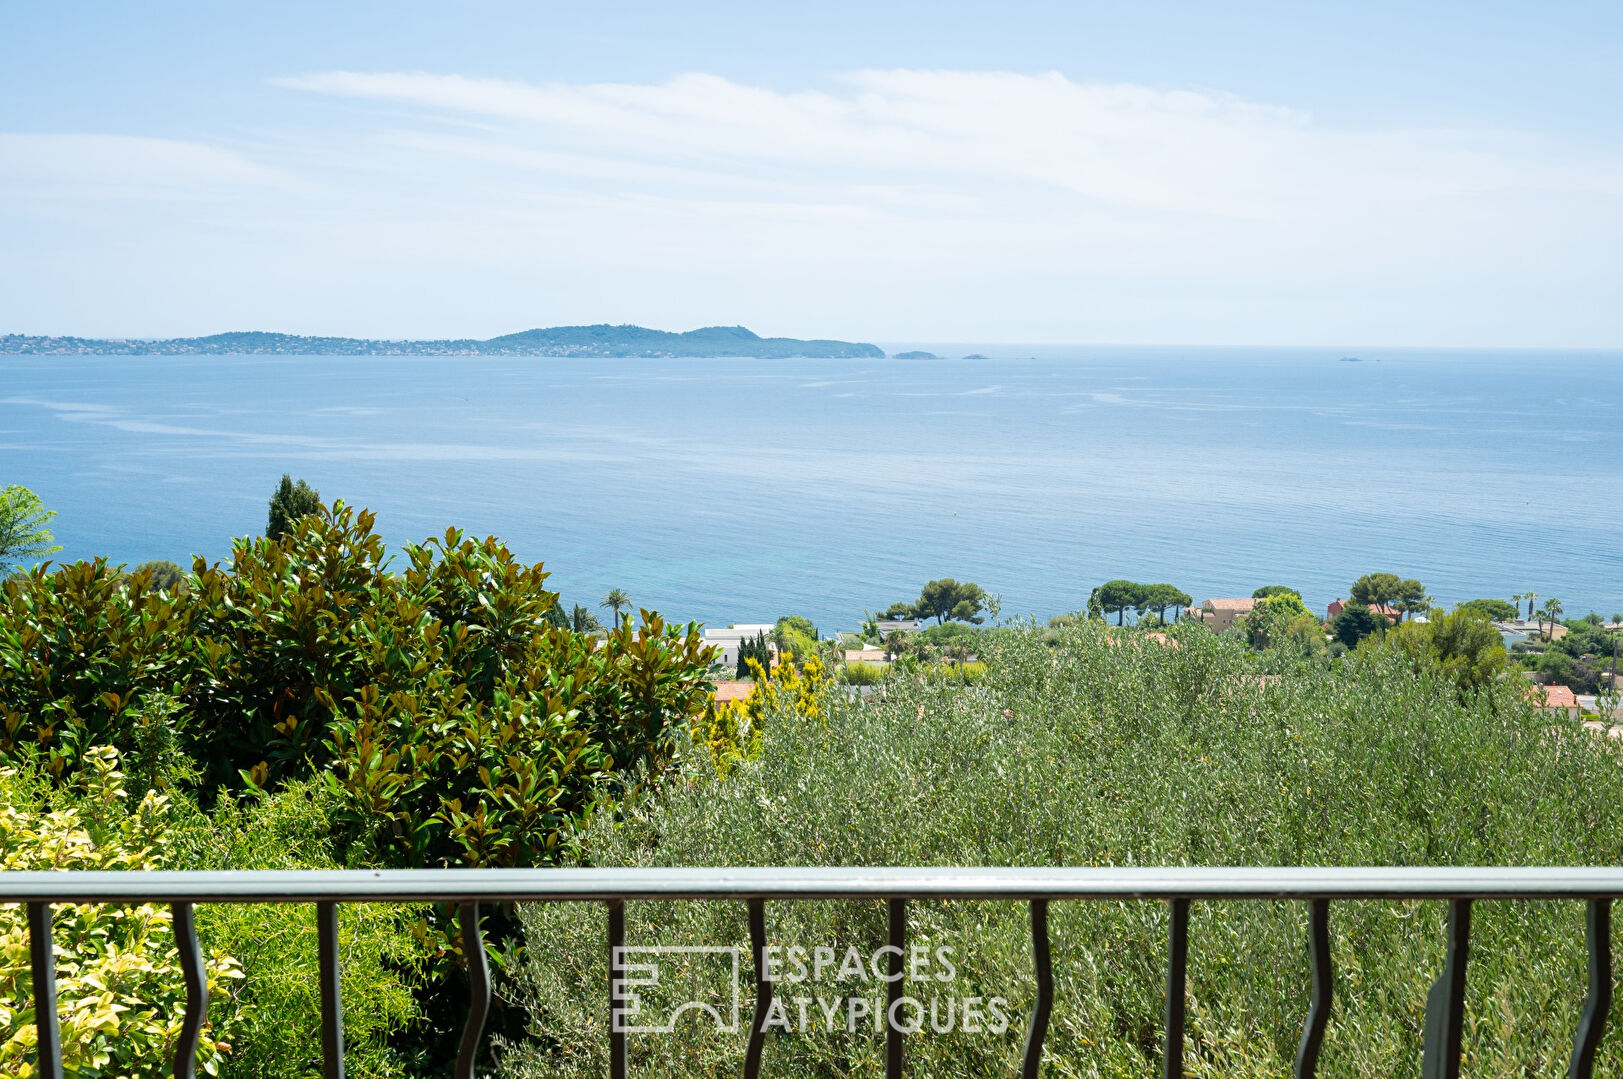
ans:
x=601 y=340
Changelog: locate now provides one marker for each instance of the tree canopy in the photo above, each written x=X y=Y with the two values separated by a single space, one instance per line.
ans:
x=1116 y=597
x=1355 y=622
x=24 y=536
x=616 y=601
x=1278 y=616
x=1120 y=596
x=1269 y=590
x=1462 y=646
x=1402 y=594
x=290 y=501
x=1495 y=610
x=945 y=599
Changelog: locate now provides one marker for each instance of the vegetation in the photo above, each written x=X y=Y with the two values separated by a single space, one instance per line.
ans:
x=1403 y=595
x=290 y=502
x=863 y=674
x=121 y=993
x=1281 y=619
x=121 y=990
x=1076 y=750
x=795 y=636
x=1581 y=657
x=438 y=715
x=615 y=602
x=1496 y=609
x=1354 y=623
x=753 y=652
x=163 y=576
x=945 y=599
x=24 y=535
x=1120 y=596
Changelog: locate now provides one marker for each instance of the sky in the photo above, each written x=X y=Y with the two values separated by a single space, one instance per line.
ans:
x=1436 y=174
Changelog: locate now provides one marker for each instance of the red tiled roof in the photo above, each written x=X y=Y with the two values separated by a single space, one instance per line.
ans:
x=733 y=691
x=1554 y=696
x=1231 y=604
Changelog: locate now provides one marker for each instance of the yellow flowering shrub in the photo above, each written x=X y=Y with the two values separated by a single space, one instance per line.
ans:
x=120 y=991
x=732 y=730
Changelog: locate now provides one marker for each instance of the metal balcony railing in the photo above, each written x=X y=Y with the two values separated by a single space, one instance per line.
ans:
x=1178 y=888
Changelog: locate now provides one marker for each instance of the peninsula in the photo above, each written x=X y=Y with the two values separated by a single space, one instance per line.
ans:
x=600 y=340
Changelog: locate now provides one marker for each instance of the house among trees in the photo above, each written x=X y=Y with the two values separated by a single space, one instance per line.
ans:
x=1555 y=699
x=887 y=626
x=728 y=639
x=727 y=692
x=1391 y=614
x=1222 y=614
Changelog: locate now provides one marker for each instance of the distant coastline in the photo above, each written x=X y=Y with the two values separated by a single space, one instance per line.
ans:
x=599 y=340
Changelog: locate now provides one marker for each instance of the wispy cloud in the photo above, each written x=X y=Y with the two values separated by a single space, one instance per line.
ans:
x=964 y=205
x=64 y=165
x=1123 y=145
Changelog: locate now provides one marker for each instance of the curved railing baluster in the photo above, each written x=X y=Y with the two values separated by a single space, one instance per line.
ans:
x=1177 y=963
x=1445 y=1005
x=48 y=1039
x=1324 y=986
x=473 y=949
x=1033 y=1059
x=332 y=1001
x=197 y=990
x=897 y=909
x=763 y=990
x=617 y=1034
x=1599 y=1002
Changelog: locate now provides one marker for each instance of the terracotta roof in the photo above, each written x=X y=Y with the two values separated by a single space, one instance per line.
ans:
x=1231 y=604
x=733 y=691
x=1337 y=606
x=865 y=655
x=1554 y=696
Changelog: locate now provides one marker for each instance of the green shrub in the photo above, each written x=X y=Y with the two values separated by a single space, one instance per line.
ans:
x=121 y=990
x=863 y=674
x=1084 y=753
x=80 y=647
x=963 y=674
x=277 y=1003
x=458 y=725
x=445 y=716
x=121 y=994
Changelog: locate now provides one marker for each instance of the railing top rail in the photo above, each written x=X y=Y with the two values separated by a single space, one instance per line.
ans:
x=798 y=882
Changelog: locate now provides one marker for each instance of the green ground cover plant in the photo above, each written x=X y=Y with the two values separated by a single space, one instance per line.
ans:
x=1082 y=748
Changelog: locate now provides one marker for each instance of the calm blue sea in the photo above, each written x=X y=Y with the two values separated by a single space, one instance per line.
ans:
x=741 y=490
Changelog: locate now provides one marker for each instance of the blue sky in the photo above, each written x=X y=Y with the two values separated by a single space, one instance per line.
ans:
x=1129 y=172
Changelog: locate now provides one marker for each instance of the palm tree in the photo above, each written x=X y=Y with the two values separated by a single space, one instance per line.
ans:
x=1531 y=598
x=616 y=601
x=1516 y=602
x=1552 y=611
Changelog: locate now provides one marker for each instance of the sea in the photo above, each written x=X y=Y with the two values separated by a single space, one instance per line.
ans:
x=737 y=490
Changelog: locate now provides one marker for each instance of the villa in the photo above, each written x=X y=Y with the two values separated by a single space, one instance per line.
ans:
x=1555 y=699
x=1392 y=614
x=1222 y=614
x=728 y=639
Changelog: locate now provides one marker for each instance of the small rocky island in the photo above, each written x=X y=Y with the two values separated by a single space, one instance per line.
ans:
x=915 y=356
x=600 y=340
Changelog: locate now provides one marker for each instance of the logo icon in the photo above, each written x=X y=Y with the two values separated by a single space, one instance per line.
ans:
x=658 y=985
